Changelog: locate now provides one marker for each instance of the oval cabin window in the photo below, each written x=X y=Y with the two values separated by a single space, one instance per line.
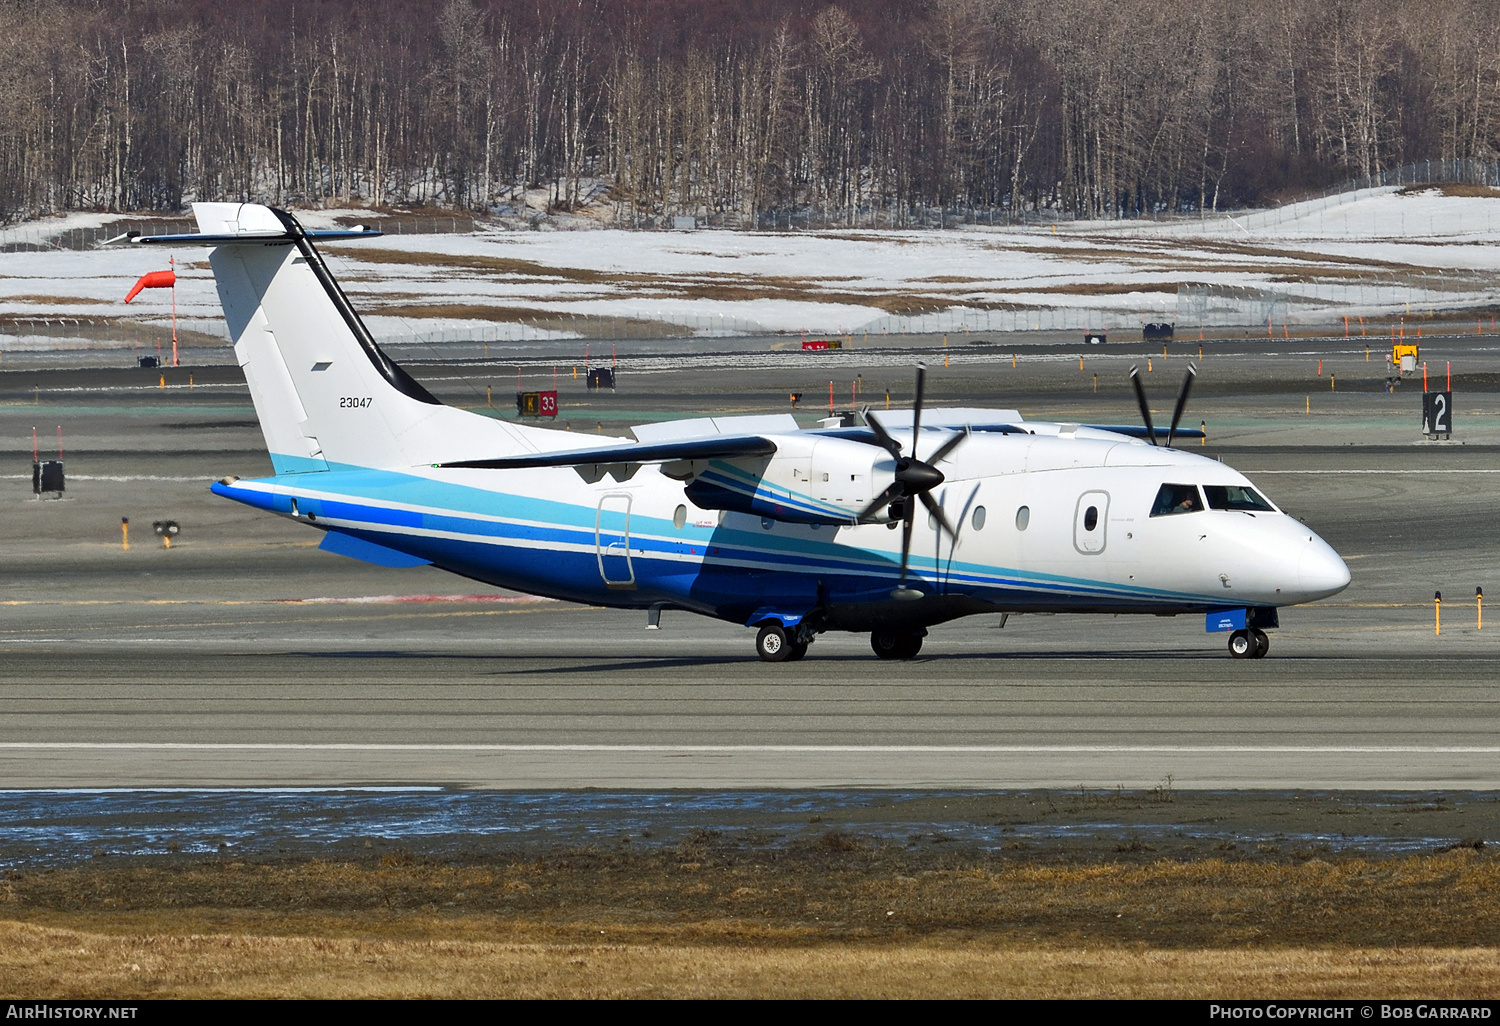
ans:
x=1023 y=517
x=679 y=517
x=1091 y=518
x=978 y=518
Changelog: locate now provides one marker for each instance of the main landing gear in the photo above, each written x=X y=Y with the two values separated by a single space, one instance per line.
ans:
x=1249 y=644
x=774 y=644
x=894 y=644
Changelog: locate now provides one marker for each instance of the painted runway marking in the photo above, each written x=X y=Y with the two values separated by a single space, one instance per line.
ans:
x=1382 y=473
x=292 y=746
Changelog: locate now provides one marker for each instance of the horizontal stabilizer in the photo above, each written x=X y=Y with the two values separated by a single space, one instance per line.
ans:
x=341 y=544
x=252 y=238
x=713 y=447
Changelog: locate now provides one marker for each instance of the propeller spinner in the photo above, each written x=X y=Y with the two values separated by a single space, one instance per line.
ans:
x=915 y=479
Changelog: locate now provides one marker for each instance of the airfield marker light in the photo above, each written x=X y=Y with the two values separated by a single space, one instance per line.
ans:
x=1320 y=367
x=830 y=398
x=945 y=359
x=1479 y=608
x=1424 y=375
x=1346 y=325
x=1096 y=382
x=1332 y=381
x=1450 y=377
x=59 y=442
x=1148 y=365
x=1284 y=333
x=162 y=383
x=1361 y=325
x=1437 y=612
x=1419 y=331
x=489 y=396
x=1367 y=354
x=1309 y=405
x=1403 y=329
x=125 y=534
x=1270 y=329
x=575 y=372
x=35 y=453
x=1164 y=350
x=190 y=382
x=1012 y=361
x=1203 y=426
x=1200 y=345
x=1080 y=363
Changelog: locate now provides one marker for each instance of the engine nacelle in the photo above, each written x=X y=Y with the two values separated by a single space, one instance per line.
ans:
x=810 y=480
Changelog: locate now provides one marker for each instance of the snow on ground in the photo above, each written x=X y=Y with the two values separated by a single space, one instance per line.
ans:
x=1370 y=253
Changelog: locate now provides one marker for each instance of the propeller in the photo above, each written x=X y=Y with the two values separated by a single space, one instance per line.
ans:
x=1182 y=398
x=915 y=480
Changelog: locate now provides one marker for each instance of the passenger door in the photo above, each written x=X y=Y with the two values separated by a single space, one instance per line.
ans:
x=1091 y=522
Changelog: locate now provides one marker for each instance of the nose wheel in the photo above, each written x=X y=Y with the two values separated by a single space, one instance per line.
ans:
x=1249 y=644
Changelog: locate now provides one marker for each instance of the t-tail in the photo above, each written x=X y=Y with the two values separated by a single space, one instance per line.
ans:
x=326 y=395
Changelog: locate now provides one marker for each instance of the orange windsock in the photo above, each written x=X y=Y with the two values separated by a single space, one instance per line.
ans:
x=153 y=280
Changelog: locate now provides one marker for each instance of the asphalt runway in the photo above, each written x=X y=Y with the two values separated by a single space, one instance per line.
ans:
x=244 y=657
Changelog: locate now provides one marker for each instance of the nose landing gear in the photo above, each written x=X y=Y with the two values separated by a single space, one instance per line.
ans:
x=1249 y=644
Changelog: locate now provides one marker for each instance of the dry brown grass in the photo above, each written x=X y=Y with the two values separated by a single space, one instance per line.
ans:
x=832 y=916
x=43 y=962
x=1459 y=189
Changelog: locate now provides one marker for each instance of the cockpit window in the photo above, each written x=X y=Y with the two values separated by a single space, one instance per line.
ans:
x=1236 y=497
x=1176 y=498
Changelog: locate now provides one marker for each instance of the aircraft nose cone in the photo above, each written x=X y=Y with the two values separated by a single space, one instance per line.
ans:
x=1320 y=571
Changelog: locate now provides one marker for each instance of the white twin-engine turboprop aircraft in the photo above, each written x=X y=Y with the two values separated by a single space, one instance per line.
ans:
x=749 y=519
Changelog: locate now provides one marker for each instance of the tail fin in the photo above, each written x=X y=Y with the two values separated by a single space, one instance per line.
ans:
x=325 y=393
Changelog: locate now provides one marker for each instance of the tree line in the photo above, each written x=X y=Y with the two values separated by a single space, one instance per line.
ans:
x=743 y=112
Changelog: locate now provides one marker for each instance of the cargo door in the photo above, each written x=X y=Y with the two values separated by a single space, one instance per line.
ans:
x=612 y=541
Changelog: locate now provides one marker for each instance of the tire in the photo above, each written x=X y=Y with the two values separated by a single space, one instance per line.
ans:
x=797 y=651
x=1262 y=643
x=1242 y=645
x=889 y=644
x=773 y=645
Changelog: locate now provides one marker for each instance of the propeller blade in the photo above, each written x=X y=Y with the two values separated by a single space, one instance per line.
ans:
x=947 y=447
x=882 y=436
x=1140 y=397
x=1182 y=398
x=937 y=512
x=883 y=500
x=905 y=546
x=916 y=411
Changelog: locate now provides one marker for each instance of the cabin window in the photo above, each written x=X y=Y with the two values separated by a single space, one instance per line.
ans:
x=1176 y=498
x=1091 y=518
x=978 y=518
x=1236 y=497
x=1023 y=517
x=679 y=517
x=767 y=523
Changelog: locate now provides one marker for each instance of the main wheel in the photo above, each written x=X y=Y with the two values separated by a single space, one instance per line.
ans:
x=1262 y=643
x=889 y=644
x=773 y=645
x=1242 y=645
x=796 y=650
